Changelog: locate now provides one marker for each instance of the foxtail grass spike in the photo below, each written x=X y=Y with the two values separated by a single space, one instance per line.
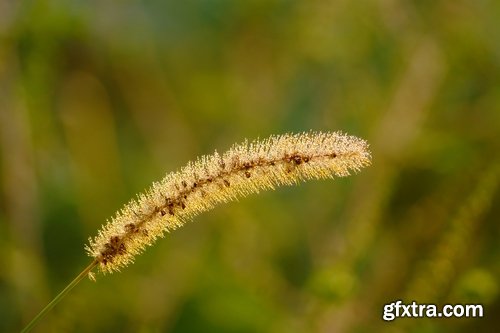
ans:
x=246 y=168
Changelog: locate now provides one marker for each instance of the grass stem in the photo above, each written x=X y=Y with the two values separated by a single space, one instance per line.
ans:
x=59 y=297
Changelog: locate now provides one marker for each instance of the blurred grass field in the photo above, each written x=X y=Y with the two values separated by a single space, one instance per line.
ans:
x=100 y=99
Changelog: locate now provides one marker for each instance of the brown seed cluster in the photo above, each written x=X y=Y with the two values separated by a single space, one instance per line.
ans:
x=246 y=168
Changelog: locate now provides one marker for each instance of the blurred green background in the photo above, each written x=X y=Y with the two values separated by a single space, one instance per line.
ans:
x=99 y=99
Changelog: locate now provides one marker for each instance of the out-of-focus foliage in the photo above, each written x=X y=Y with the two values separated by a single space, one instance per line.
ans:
x=99 y=99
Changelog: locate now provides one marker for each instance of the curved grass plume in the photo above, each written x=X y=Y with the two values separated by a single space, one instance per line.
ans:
x=244 y=169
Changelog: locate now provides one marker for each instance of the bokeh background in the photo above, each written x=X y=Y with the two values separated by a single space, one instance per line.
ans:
x=99 y=99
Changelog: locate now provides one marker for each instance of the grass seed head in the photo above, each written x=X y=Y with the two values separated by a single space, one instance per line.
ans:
x=246 y=168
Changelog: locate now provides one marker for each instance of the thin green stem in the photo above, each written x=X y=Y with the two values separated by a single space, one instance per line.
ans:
x=59 y=297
